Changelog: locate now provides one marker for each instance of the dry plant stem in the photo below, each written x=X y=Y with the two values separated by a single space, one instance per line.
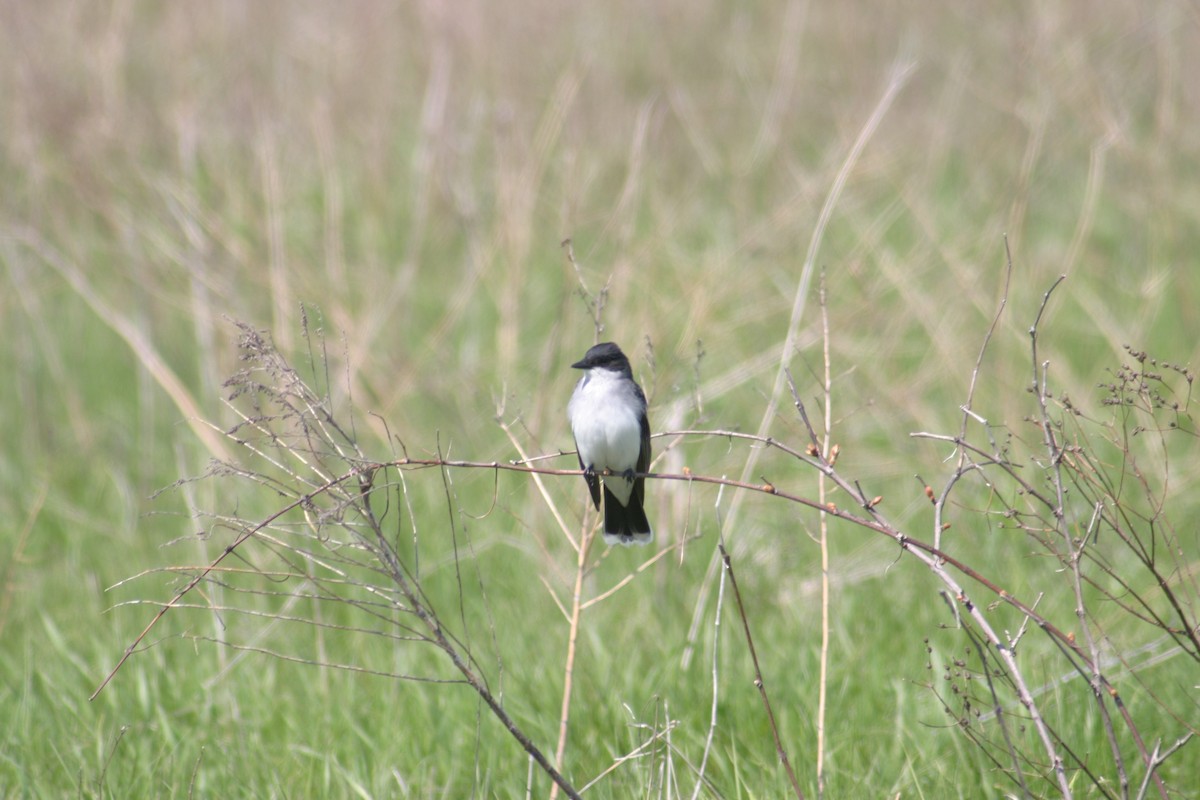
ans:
x=935 y=560
x=585 y=541
x=897 y=80
x=195 y=771
x=712 y=722
x=758 y=678
x=968 y=414
x=436 y=632
x=321 y=434
x=324 y=471
x=637 y=752
x=823 y=521
x=1085 y=658
x=621 y=584
x=998 y=711
x=1157 y=759
x=204 y=573
x=1008 y=656
x=1062 y=639
x=1071 y=553
x=875 y=522
x=112 y=751
x=987 y=339
x=595 y=302
x=541 y=486
x=445 y=473
x=439 y=636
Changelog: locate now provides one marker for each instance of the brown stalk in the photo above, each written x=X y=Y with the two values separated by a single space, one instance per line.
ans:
x=780 y=750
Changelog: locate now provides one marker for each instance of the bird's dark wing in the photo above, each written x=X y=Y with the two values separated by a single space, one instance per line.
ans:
x=593 y=482
x=643 y=462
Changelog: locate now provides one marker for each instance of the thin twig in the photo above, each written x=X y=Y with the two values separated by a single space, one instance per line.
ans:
x=968 y=413
x=998 y=709
x=1157 y=759
x=712 y=721
x=1070 y=552
x=898 y=78
x=204 y=573
x=541 y=486
x=758 y=678
x=581 y=555
x=823 y=523
x=987 y=340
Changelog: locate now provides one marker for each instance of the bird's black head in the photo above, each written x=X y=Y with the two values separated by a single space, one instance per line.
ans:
x=605 y=355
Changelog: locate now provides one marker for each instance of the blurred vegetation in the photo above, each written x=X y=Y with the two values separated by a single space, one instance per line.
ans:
x=400 y=178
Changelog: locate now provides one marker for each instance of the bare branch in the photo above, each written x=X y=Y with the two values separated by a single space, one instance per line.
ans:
x=758 y=678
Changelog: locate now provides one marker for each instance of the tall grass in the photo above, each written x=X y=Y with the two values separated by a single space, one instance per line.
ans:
x=408 y=176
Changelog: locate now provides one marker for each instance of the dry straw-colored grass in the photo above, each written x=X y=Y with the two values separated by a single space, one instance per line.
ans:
x=406 y=175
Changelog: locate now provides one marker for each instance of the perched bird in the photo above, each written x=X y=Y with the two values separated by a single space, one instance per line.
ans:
x=608 y=418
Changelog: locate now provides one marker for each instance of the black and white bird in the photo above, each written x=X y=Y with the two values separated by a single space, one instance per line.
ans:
x=612 y=434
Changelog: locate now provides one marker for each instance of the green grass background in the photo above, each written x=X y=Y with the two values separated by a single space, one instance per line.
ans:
x=409 y=172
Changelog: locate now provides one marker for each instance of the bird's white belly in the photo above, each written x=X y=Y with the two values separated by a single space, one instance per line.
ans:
x=610 y=439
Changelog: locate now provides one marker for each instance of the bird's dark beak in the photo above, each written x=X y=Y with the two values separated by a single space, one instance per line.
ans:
x=581 y=364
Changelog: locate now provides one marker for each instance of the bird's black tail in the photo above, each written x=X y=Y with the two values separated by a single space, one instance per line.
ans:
x=625 y=524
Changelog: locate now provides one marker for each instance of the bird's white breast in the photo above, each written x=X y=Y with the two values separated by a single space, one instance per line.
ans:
x=607 y=433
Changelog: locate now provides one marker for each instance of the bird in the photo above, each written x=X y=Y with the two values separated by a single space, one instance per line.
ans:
x=608 y=419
